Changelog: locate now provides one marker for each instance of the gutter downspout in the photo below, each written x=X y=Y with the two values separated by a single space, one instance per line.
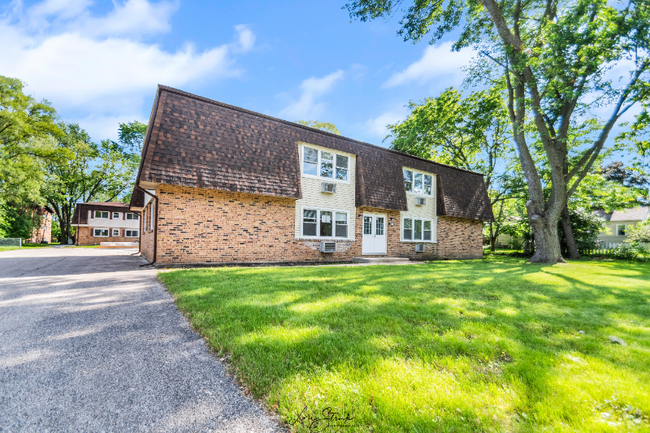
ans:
x=155 y=227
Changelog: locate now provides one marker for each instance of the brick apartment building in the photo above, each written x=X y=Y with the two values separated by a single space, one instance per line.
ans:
x=220 y=184
x=95 y=223
x=44 y=231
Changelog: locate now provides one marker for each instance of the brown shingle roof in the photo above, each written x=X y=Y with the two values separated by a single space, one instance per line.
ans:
x=197 y=142
x=80 y=215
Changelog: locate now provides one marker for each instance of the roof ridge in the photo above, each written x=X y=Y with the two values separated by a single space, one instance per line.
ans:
x=300 y=125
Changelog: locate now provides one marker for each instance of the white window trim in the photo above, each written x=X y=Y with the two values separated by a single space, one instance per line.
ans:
x=118 y=215
x=620 y=225
x=131 y=236
x=101 y=218
x=135 y=216
x=319 y=177
x=434 y=230
x=152 y=216
x=423 y=173
x=101 y=236
x=325 y=238
x=113 y=233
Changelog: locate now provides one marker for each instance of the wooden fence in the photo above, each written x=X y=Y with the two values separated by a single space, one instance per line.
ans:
x=603 y=249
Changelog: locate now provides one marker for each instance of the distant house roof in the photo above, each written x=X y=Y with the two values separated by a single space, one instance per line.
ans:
x=201 y=143
x=80 y=215
x=636 y=214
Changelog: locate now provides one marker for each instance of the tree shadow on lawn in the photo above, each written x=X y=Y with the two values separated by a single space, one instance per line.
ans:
x=495 y=335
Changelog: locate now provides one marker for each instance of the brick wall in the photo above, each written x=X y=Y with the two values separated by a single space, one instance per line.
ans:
x=206 y=226
x=85 y=237
x=40 y=233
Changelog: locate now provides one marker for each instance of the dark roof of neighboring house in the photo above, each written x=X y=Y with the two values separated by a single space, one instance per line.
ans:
x=80 y=215
x=637 y=214
x=197 y=142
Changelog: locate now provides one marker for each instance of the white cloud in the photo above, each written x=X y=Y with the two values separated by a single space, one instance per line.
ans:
x=99 y=67
x=376 y=126
x=435 y=62
x=245 y=37
x=306 y=107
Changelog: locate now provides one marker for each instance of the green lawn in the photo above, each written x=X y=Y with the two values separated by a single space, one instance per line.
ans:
x=30 y=246
x=477 y=346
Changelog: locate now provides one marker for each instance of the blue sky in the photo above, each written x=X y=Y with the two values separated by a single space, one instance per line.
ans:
x=99 y=62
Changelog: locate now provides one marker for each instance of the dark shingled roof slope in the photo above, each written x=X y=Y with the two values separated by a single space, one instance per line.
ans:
x=80 y=215
x=197 y=142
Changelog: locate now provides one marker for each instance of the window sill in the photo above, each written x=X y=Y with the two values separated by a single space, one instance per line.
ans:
x=325 y=179
x=419 y=194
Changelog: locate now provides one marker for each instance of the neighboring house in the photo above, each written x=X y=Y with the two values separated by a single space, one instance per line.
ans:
x=105 y=222
x=507 y=241
x=221 y=184
x=618 y=222
x=44 y=231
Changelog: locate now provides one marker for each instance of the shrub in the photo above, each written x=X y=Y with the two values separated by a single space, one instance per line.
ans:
x=628 y=251
x=586 y=227
x=639 y=233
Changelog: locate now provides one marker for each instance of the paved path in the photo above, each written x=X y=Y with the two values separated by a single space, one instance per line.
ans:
x=90 y=341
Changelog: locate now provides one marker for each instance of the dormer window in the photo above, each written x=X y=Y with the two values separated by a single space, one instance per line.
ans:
x=418 y=183
x=325 y=164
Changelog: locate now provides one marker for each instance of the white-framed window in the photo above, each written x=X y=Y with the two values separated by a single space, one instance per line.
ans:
x=417 y=230
x=101 y=214
x=419 y=183
x=131 y=233
x=131 y=216
x=153 y=212
x=620 y=230
x=116 y=232
x=100 y=233
x=325 y=223
x=116 y=215
x=325 y=164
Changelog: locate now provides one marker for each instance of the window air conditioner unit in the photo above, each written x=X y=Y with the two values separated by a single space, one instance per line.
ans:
x=419 y=248
x=328 y=187
x=420 y=201
x=328 y=247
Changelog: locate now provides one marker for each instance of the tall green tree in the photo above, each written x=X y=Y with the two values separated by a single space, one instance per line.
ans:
x=325 y=126
x=26 y=126
x=559 y=58
x=90 y=172
x=470 y=133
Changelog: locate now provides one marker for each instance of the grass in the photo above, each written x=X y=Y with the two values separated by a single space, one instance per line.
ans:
x=30 y=246
x=490 y=345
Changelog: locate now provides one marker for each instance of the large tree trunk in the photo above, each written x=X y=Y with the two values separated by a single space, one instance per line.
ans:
x=571 y=245
x=547 y=242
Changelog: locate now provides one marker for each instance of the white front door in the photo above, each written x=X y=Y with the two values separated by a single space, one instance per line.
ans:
x=374 y=234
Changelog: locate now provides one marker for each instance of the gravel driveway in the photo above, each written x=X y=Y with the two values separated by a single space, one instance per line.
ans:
x=90 y=341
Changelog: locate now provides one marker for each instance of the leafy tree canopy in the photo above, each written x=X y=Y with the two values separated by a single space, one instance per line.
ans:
x=559 y=59
x=26 y=128
x=325 y=126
